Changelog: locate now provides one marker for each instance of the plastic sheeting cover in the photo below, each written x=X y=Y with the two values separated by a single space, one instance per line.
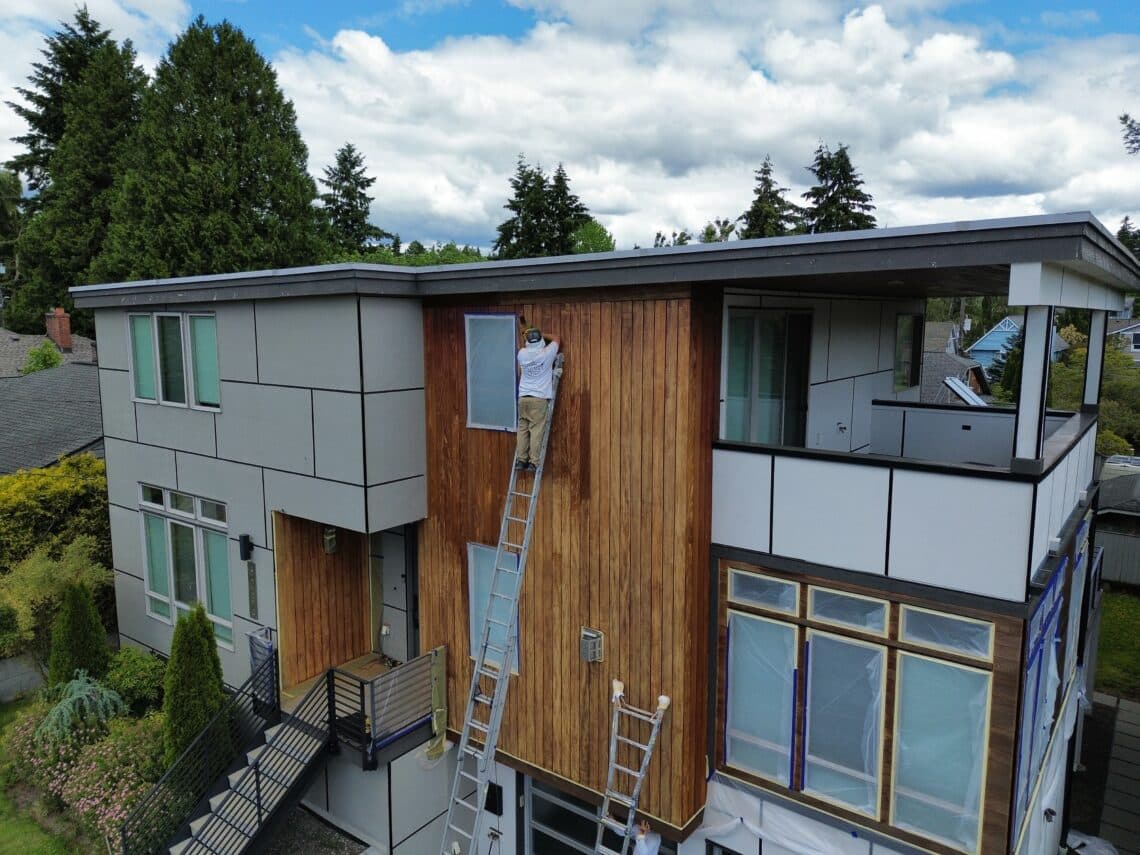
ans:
x=844 y=721
x=941 y=733
x=947 y=632
x=857 y=612
x=762 y=591
x=761 y=702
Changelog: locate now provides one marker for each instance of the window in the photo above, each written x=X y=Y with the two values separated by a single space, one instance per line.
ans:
x=1136 y=341
x=560 y=824
x=174 y=359
x=942 y=719
x=491 y=383
x=807 y=686
x=187 y=557
x=908 y=351
x=480 y=574
x=766 y=376
x=712 y=848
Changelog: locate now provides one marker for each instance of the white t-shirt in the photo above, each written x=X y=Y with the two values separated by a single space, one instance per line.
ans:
x=650 y=844
x=537 y=376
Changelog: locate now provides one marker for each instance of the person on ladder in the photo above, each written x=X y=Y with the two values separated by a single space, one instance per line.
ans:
x=536 y=388
x=647 y=842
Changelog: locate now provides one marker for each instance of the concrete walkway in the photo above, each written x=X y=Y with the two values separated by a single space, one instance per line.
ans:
x=1120 y=818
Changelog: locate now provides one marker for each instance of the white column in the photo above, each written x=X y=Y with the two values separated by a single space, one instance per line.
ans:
x=1030 y=434
x=1094 y=362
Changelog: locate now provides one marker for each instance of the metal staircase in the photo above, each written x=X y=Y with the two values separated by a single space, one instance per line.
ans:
x=487 y=698
x=632 y=771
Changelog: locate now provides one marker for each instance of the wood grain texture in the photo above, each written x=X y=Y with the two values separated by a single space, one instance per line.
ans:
x=621 y=537
x=322 y=600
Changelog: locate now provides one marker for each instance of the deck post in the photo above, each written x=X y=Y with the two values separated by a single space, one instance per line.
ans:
x=330 y=683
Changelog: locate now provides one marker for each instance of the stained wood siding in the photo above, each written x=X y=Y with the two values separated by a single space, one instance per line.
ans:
x=621 y=537
x=323 y=606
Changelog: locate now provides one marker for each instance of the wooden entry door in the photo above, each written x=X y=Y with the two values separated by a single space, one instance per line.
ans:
x=323 y=606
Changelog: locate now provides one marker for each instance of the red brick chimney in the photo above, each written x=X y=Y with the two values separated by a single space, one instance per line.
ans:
x=58 y=324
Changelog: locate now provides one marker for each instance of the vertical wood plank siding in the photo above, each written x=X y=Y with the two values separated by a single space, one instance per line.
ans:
x=621 y=538
x=322 y=600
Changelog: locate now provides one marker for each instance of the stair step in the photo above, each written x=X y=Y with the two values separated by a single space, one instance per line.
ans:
x=220 y=836
x=245 y=786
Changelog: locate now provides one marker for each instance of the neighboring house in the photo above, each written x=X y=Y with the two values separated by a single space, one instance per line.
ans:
x=14 y=347
x=743 y=495
x=1118 y=519
x=940 y=337
x=1002 y=335
x=1127 y=334
x=48 y=414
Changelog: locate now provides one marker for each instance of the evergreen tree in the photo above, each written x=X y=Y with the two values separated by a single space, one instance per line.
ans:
x=347 y=203
x=216 y=179
x=192 y=691
x=66 y=56
x=1129 y=235
x=60 y=242
x=718 y=231
x=1131 y=133
x=837 y=201
x=1004 y=372
x=546 y=214
x=770 y=215
x=78 y=640
x=11 y=222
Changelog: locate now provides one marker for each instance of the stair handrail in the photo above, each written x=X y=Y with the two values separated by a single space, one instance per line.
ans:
x=172 y=800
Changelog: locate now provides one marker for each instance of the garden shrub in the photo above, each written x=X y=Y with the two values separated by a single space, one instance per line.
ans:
x=41 y=357
x=42 y=761
x=137 y=677
x=193 y=691
x=34 y=589
x=80 y=704
x=107 y=779
x=78 y=640
x=50 y=507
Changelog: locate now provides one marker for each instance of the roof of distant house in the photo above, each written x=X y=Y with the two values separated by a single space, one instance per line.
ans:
x=14 y=349
x=1009 y=324
x=49 y=414
x=936 y=367
x=936 y=335
x=1119 y=325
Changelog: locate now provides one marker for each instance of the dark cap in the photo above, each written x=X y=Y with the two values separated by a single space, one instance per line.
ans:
x=533 y=335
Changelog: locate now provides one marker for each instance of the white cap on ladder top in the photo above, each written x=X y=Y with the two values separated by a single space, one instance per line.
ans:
x=619 y=691
x=663 y=703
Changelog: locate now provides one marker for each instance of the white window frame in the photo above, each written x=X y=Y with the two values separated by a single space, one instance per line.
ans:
x=829 y=621
x=188 y=378
x=198 y=524
x=930 y=645
x=472 y=632
x=513 y=321
x=897 y=743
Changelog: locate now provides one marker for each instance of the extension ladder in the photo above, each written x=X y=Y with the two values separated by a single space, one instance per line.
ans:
x=487 y=698
x=642 y=752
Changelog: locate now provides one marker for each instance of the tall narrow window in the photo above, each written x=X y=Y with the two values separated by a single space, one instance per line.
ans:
x=908 y=351
x=204 y=360
x=183 y=563
x=215 y=554
x=480 y=575
x=766 y=381
x=844 y=721
x=157 y=571
x=171 y=371
x=142 y=356
x=940 y=749
x=491 y=385
x=761 y=696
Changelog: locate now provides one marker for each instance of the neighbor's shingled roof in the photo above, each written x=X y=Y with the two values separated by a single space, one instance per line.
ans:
x=14 y=349
x=48 y=414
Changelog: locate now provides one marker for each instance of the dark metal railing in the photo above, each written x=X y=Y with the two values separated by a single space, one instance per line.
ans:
x=236 y=727
x=401 y=699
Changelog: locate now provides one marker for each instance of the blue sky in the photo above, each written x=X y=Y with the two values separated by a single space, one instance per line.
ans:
x=660 y=110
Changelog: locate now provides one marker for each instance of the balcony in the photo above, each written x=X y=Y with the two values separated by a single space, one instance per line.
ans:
x=936 y=502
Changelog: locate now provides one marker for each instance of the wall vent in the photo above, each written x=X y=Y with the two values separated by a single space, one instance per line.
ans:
x=592 y=645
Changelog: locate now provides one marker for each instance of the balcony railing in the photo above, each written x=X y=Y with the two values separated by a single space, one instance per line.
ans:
x=967 y=526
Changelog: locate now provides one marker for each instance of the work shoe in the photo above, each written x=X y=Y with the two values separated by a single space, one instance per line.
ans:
x=521 y=465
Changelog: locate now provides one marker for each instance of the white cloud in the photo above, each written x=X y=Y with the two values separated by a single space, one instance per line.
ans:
x=661 y=112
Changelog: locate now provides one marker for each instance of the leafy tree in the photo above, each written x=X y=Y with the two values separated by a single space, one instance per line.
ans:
x=1131 y=133
x=193 y=689
x=770 y=214
x=41 y=357
x=837 y=201
x=545 y=214
x=347 y=203
x=718 y=231
x=66 y=55
x=216 y=178
x=1119 y=410
x=680 y=238
x=60 y=242
x=78 y=640
x=592 y=236
x=137 y=678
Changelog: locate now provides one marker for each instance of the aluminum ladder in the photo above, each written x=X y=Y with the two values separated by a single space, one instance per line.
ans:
x=487 y=699
x=631 y=746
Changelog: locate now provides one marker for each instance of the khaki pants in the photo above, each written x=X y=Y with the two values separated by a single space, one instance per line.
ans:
x=532 y=421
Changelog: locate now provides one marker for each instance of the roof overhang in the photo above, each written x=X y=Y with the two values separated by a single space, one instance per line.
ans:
x=948 y=259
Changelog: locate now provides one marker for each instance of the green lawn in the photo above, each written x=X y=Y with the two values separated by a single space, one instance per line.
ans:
x=20 y=835
x=1118 y=655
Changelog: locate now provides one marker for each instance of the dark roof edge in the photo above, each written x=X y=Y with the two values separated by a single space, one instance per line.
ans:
x=1094 y=248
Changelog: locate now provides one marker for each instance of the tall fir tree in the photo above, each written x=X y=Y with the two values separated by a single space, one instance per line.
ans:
x=192 y=691
x=1130 y=128
x=216 y=178
x=60 y=242
x=545 y=214
x=837 y=201
x=770 y=214
x=347 y=204
x=566 y=213
x=1129 y=235
x=78 y=640
x=66 y=55
x=11 y=223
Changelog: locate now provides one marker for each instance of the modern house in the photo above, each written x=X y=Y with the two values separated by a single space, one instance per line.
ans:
x=1001 y=336
x=743 y=496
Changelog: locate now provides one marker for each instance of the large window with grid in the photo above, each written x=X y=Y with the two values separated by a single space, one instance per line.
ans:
x=186 y=551
x=877 y=707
